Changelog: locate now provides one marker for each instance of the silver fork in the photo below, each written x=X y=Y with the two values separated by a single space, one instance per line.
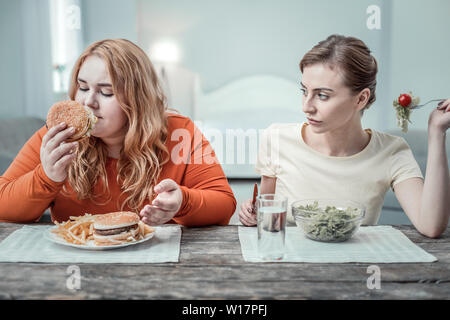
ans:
x=421 y=105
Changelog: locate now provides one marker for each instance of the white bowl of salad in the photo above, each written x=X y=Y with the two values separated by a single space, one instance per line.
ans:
x=328 y=220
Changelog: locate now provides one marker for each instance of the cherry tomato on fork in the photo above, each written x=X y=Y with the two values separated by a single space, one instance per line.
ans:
x=404 y=100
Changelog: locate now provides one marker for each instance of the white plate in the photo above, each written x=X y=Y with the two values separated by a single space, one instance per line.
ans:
x=49 y=235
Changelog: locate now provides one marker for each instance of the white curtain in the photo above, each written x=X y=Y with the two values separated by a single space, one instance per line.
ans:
x=37 y=64
x=66 y=40
x=51 y=35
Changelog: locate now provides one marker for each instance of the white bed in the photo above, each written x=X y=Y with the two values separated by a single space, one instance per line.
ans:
x=242 y=108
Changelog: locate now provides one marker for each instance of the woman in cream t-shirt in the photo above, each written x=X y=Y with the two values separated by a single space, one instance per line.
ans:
x=304 y=173
x=332 y=156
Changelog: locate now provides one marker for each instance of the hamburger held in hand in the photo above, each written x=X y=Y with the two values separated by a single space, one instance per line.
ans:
x=118 y=227
x=74 y=115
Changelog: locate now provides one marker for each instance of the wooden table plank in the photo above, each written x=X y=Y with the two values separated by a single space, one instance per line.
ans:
x=211 y=267
x=138 y=288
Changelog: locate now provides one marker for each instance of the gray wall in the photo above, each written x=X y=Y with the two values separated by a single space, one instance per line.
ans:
x=225 y=40
x=420 y=52
x=104 y=19
x=11 y=59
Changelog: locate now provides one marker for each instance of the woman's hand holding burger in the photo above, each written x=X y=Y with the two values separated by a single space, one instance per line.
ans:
x=68 y=122
x=166 y=204
x=56 y=155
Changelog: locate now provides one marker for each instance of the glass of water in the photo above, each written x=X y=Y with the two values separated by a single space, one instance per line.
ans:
x=271 y=216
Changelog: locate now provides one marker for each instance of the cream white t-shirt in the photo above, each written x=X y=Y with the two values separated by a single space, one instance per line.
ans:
x=304 y=173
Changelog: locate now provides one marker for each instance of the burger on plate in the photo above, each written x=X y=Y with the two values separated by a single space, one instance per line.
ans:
x=116 y=228
x=74 y=115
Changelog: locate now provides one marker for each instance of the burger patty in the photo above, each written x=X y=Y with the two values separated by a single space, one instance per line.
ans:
x=115 y=231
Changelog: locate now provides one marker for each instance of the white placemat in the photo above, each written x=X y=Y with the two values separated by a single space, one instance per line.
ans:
x=29 y=244
x=375 y=244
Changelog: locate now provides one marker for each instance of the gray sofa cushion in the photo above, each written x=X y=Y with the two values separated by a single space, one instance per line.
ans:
x=14 y=132
x=5 y=161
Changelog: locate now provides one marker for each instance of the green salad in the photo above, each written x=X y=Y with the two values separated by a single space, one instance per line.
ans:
x=403 y=107
x=328 y=224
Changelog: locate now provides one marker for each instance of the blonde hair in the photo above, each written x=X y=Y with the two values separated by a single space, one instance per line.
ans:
x=136 y=88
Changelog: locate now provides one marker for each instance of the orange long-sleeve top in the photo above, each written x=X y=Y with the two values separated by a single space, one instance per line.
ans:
x=26 y=192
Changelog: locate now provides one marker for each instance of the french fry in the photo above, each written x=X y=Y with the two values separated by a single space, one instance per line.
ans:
x=141 y=227
x=76 y=230
x=73 y=227
x=148 y=229
x=76 y=238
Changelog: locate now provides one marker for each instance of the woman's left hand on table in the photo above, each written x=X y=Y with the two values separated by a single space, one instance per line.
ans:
x=166 y=204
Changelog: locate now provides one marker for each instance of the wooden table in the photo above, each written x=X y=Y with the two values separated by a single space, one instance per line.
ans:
x=211 y=267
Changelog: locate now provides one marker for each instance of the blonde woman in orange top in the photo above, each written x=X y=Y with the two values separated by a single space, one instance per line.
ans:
x=139 y=157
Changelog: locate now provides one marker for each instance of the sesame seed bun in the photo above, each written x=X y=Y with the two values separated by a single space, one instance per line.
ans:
x=74 y=115
x=115 y=220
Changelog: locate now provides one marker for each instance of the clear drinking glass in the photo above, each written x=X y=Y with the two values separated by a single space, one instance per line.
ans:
x=271 y=216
